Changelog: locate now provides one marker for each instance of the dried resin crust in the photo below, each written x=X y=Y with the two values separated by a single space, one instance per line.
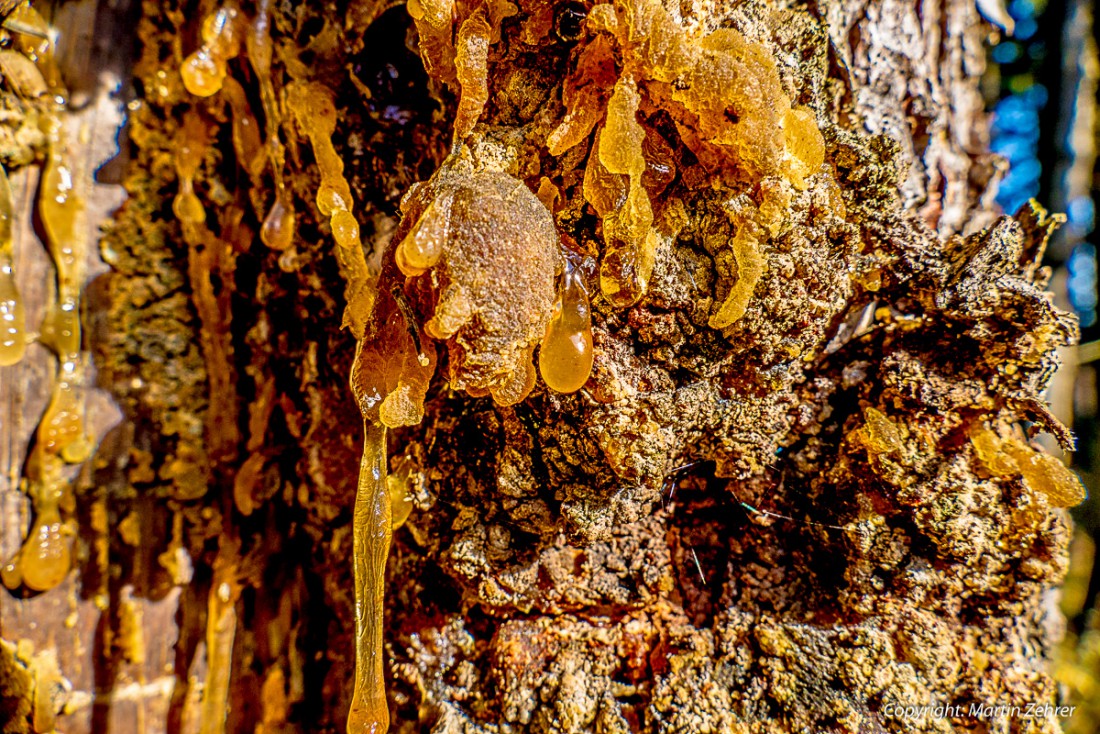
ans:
x=488 y=250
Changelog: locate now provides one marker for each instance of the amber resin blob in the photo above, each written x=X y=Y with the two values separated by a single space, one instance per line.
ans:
x=488 y=249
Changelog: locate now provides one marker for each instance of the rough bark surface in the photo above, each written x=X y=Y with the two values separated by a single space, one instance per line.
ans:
x=785 y=525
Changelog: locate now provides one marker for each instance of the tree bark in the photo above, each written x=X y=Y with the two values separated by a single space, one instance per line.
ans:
x=801 y=520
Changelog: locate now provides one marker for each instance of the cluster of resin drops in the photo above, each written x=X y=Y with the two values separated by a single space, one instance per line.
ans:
x=61 y=438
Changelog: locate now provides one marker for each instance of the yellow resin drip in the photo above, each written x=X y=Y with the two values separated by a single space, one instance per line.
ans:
x=207 y=257
x=194 y=138
x=63 y=218
x=44 y=559
x=472 y=67
x=423 y=245
x=565 y=357
x=204 y=71
x=13 y=339
x=1043 y=473
x=433 y=20
x=61 y=438
x=277 y=231
x=747 y=250
x=389 y=380
x=33 y=39
x=246 y=131
x=260 y=48
x=314 y=110
x=629 y=254
x=398 y=481
x=372 y=531
x=584 y=95
x=45 y=555
x=221 y=629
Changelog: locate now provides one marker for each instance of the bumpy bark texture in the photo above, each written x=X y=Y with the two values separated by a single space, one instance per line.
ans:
x=786 y=523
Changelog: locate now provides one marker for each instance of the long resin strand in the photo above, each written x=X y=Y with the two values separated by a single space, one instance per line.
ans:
x=221 y=629
x=372 y=524
x=13 y=340
x=314 y=108
x=45 y=557
x=277 y=231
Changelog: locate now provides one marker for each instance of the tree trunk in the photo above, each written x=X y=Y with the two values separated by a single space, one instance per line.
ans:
x=794 y=492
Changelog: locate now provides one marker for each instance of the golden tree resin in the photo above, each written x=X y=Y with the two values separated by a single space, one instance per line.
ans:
x=221 y=629
x=61 y=438
x=630 y=242
x=315 y=112
x=45 y=556
x=372 y=530
x=491 y=247
x=1043 y=473
x=389 y=380
x=565 y=356
x=204 y=71
x=13 y=340
x=277 y=230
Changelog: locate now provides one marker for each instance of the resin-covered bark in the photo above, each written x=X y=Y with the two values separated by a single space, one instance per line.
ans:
x=771 y=473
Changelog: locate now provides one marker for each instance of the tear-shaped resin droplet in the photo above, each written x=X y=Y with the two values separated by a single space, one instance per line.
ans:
x=345 y=230
x=565 y=358
x=45 y=557
x=188 y=209
x=202 y=73
x=423 y=246
x=277 y=231
x=204 y=70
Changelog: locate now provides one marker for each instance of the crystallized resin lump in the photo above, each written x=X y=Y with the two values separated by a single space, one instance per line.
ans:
x=490 y=250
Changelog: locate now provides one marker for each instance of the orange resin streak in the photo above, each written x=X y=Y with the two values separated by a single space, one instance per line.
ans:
x=389 y=381
x=45 y=557
x=277 y=231
x=207 y=255
x=13 y=338
x=372 y=529
x=315 y=112
x=221 y=629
